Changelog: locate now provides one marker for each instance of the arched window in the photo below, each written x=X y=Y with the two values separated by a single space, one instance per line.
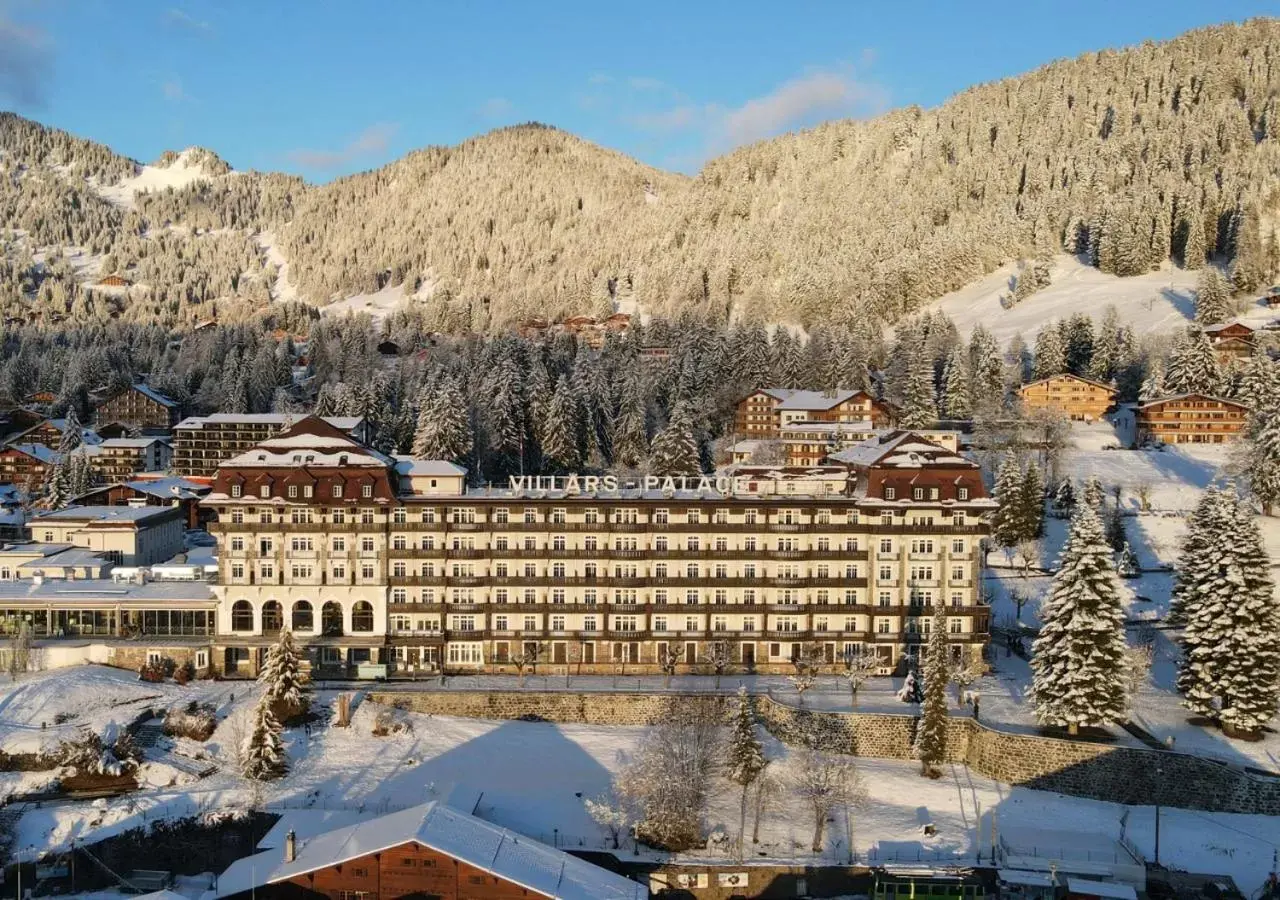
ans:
x=272 y=616
x=331 y=619
x=304 y=617
x=362 y=616
x=242 y=616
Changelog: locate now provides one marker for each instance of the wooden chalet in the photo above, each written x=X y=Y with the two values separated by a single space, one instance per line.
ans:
x=1231 y=340
x=1191 y=419
x=48 y=433
x=763 y=413
x=114 y=281
x=1078 y=398
x=26 y=465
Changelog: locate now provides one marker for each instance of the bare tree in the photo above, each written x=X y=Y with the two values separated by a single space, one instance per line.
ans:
x=805 y=662
x=668 y=659
x=1138 y=661
x=1030 y=553
x=860 y=664
x=825 y=782
x=611 y=813
x=1019 y=600
x=668 y=781
x=527 y=658
x=718 y=658
x=20 y=649
x=767 y=790
x=964 y=675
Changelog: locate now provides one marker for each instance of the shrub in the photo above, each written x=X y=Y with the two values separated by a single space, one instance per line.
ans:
x=184 y=673
x=391 y=721
x=152 y=673
x=196 y=721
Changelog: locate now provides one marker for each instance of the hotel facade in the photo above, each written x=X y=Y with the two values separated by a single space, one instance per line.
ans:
x=388 y=565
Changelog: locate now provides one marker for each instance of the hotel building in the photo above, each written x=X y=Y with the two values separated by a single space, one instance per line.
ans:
x=377 y=561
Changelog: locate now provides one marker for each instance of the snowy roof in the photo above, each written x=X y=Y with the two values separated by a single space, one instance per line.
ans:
x=92 y=590
x=859 y=427
x=38 y=451
x=28 y=548
x=1215 y=399
x=152 y=394
x=1090 y=888
x=439 y=468
x=346 y=423
x=1072 y=377
x=496 y=850
x=902 y=450
x=72 y=556
x=791 y=398
x=103 y=514
x=168 y=487
x=125 y=443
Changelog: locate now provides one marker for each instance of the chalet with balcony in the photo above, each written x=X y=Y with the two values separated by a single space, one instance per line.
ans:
x=1080 y=399
x=1191 y=419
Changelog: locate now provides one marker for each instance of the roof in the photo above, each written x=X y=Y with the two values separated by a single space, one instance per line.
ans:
x=103 y=514
x=27 y=548
x=124 y=443
x=496 y=850
x=40 y=452
x=311 y=441
x=152 y=394
x=1160 y=400
x=1223 y=326
x=1073 y=377
x=1101 y=889
x=345 y=423
x=438 y=468
x=72 y=556
x=107 y=590
x=901 y=450
x=791 y=398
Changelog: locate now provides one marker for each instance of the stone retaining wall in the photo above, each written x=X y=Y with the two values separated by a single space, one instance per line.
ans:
x=1098 y=771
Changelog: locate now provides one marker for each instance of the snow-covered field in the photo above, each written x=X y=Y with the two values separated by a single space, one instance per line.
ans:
x=533 y=777
x=1159 y=301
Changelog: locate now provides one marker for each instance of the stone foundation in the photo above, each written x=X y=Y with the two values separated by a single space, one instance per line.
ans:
x=1099 y=771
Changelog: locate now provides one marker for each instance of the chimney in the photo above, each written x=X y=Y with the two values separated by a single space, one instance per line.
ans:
x=290 y=846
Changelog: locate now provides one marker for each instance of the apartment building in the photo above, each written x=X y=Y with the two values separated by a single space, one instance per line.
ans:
x=1078 y=398
x=764 y=413
x=1191 y=419
x=120 y=458
x=200 y=443
x=391 y=562
x=140 y=407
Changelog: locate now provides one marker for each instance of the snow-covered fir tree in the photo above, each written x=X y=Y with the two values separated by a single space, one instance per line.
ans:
x=956 y=399
x=674 y=450
x=1263 y=457
x=72 y=433
x=1051 y=357
x=1197 y=558
x=911 y=690
x=1031 y=503
x=1008 y=523
x=57 y=484
x=1153 y=383
x=630 y=425
x=1127 y=562
x=1193 y=365
x=1230 y=668
x=1064 y=499
x=986 y=370
x=560 y=448
x=1093 y=494
x=1079 y=657
x=919 y=409
x=443 y=429
x=931 y=728
x=1259 y=385
x=281 y=678
x=262 y=754
x=1213 y=297
x=744 y=755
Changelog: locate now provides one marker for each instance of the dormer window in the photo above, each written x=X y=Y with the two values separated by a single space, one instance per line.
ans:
x=307 y=490
x=366 y=490
x=236 y=490
x=890 y=493
x=962 y=493
x=917 y=493
x=293 y=490
x=264 y=491
x=337 y=490
x=342 y=460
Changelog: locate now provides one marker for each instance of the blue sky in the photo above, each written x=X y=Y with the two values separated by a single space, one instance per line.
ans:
x=324 y=88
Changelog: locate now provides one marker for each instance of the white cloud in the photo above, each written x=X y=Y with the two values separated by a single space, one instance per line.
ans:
x=26 y=64
x=172 y=90
x=181 y=19
x=495 y=108
x=373 y=139
x=799 y=103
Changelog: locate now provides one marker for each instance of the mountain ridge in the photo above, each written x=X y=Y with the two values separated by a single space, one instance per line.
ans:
x=1130 y=156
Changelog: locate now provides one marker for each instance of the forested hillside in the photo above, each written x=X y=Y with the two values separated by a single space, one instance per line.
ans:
x=1129 y=157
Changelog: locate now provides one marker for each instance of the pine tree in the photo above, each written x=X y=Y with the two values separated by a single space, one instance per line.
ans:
x=1193 y=365
x=986 y=372
x=918 y=407
x=1116 y=537
x=1264 y=458
x=1031 y=503
x=281 y=678
x=1079 y=657
x=560 y=448
x=955 y=387
x=1213 y=297
x=1230 y=669
x=1259 y=385
x=57 y=485
x=1153 y=384
x=1007 y=523
x=1106 y=347
x=72 y=433
x=744 y=757
x=630 y=426
x=262 y=754
x=931 y=732
x=1193 y=252
x=1078 y=342
x=1196 y=559
x=1051 y=356
x=1093 y=494
x=1064 y=499
x=674 y=451
x=443 y=429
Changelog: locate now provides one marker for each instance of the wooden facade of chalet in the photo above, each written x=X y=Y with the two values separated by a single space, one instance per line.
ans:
x=114 y=281
x=140 y=407
x=1191 y=419
x=46 y=433
x=762 y=414
x=1233 y=340
x=25 y=465
x=1078 y=398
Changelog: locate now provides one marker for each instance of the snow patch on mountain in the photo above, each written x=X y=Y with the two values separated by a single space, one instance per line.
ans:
x=188 y=166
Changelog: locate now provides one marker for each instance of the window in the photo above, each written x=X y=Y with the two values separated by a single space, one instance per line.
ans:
x=917 y=493
x=366 y=490
x=366 y=544
x=337 y=490
x=237 y=543
x=339 y=545
x=962 y=493
x=362 y=616
x=500 y=516
x=303 y=616
x=235 y=490
x=242 y=616
x=890 y=493
x=264 y=491
x=237 y=570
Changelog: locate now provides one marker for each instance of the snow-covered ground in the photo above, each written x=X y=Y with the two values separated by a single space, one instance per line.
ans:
x=534 y=775
x=1159 y=301
x=379 y=304
x=284 y=289
x=178 y=174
